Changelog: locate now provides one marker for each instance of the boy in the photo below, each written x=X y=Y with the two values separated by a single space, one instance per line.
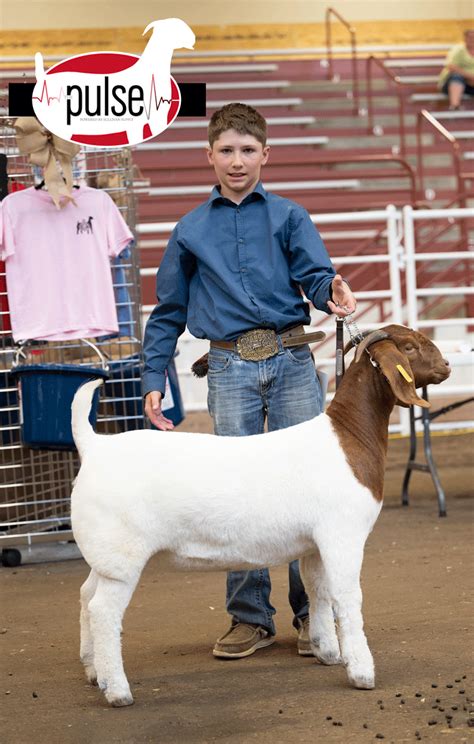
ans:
x=232 y=271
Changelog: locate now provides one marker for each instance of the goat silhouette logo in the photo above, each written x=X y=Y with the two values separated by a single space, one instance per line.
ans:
x=84 y=226
x=112 y=99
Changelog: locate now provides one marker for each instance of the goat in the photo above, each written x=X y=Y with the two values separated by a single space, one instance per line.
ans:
x=207 y=502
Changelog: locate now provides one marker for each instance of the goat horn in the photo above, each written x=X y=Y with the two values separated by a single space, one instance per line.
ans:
x=368 y=340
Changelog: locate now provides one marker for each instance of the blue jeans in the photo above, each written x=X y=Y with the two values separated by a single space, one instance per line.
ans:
x=456 y=77
x=285 y=390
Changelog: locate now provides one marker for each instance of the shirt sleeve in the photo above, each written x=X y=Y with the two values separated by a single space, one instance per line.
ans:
x=452 y=55
x=7 y=244
x=119 y=234
x=310 y=264
x=168 y=319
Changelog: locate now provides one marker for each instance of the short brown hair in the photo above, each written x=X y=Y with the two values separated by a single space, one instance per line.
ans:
x=244 y=119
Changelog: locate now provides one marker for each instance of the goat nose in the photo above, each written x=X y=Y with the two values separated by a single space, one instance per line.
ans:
x=446 y=361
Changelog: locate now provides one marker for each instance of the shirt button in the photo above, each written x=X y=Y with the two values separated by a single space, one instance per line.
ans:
x=243 y=271
x=241 y=240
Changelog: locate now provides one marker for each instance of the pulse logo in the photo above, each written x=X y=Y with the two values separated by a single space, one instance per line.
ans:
x=112 y=99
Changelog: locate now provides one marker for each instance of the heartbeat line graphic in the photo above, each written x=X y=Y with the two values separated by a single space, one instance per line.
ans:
x=49 y=98
x=158 y=102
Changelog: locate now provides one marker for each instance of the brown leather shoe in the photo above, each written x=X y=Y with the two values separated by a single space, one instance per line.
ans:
x=242 y=640
x=303 y=645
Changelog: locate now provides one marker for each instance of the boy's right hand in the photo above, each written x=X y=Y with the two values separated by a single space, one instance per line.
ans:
x=153 y=411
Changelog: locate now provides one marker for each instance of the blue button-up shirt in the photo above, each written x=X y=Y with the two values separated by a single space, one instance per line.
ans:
x=231 y=267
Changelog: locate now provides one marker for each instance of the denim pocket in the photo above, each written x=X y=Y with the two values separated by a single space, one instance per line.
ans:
x=218 y=360
x=299 y=354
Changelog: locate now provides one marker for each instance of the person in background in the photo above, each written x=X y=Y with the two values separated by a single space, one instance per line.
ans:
x=457 y=77
x=233 y=272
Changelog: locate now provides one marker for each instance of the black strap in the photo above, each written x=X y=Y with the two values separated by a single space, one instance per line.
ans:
x=339 y=350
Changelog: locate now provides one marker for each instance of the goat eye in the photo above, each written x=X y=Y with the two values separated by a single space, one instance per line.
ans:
x=409 y=347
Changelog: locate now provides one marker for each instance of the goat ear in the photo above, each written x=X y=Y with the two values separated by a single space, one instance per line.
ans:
x=397 y=370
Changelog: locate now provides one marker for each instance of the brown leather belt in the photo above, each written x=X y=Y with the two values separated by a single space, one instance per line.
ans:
x=262 y=343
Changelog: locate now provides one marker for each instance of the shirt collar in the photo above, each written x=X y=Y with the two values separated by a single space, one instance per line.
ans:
x=216 y=194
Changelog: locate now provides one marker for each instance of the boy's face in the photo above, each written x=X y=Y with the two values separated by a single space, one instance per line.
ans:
x=237 y=160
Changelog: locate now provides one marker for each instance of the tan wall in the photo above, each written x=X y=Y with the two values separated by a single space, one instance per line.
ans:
x=50 y=14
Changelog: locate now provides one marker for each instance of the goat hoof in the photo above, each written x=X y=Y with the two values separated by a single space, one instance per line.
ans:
x=119 y=698
x=91 y=675
x=121 y=702
x=362 y=682
x=327 y=657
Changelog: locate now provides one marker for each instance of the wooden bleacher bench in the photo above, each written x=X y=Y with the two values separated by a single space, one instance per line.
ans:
x=222 y=69
x=272 y=121
x=352 y=183
x=248 y=85
x=199 y=144
x=259 y=102
x=417 y=79
x=410 y=62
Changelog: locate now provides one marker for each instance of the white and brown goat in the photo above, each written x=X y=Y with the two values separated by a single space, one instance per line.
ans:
x=312 y=491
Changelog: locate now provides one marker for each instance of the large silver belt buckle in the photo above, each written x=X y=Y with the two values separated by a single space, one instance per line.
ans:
x=257 y=345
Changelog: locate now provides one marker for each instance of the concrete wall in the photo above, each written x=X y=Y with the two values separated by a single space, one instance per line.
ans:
x=51 y=14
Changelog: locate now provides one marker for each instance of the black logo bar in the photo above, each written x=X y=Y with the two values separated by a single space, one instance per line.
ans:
x=193 y=99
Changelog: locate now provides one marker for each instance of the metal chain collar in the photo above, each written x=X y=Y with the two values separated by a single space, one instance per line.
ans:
x=352 y=329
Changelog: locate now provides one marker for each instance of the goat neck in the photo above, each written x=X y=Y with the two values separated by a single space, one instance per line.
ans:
x=360 y=412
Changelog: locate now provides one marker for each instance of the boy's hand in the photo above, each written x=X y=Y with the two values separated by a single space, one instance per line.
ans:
x=153 y=411
x=343 y=301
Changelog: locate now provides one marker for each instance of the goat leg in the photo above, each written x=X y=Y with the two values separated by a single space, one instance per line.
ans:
x=342 y=563
x=322 y=631
x=87 y=644
x=106 y=609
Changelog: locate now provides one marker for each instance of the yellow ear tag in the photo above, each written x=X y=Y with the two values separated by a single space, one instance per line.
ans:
x=404 y=373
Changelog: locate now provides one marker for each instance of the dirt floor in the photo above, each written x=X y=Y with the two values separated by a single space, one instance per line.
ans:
x=417 y=583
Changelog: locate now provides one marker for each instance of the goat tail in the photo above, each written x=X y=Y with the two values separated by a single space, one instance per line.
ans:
x=82 y=431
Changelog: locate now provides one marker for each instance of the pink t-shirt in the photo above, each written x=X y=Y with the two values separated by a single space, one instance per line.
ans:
x=59 y=281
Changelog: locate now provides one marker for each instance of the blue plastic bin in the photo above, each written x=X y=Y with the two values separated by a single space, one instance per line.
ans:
x=46 y=394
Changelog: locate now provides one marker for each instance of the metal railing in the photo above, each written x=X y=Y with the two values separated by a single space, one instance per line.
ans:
x=415 y=295
x=371 y=127
x=425 y=116
x=330 y=73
